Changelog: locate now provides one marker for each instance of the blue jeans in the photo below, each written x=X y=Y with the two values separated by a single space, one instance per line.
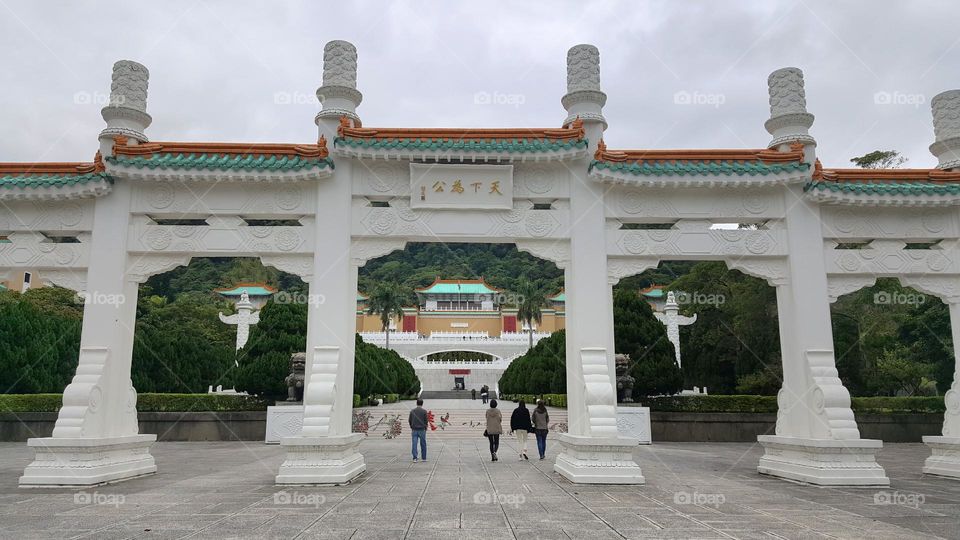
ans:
x=422 y=435
x=541 y=441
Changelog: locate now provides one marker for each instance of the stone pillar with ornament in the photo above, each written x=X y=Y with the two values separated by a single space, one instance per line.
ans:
x=945 y=448
x=96 y=438
x=325 y=451
x=671 y=318
x=593 y=451
x=817 y=440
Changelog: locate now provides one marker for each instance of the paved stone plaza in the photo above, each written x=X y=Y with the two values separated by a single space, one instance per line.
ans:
x=226 y=490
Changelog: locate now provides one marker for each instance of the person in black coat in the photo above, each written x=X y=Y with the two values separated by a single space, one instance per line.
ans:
x=520 y=425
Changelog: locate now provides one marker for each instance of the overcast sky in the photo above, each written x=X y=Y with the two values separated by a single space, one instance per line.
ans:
x=225 y=71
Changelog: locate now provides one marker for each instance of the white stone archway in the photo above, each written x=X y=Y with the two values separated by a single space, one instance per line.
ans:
x=143 y=207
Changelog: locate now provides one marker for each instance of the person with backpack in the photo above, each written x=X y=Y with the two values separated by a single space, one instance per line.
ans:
x=541 y=425
x=520 y=425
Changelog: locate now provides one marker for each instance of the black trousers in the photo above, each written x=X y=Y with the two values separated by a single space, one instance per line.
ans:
x=494 y=442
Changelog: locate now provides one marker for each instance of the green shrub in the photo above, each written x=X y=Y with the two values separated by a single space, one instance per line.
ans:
x=356 y=400
x=768 y=404
x=145 y=403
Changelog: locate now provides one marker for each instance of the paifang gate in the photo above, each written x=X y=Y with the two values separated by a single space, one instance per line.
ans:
x=559 y=193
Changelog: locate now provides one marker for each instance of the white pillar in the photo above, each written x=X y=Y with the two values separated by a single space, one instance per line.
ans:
x=593 y=451
x=325 y=452
x=817 y=440
x=96 y=437
x=945 y=460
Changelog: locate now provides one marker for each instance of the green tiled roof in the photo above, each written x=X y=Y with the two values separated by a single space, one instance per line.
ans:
x=222 y=162
x=250 y=290
x=51 y=180
x=885 y=188
x=699 y=168
x=560 y=297
x=655 y=293
x=458 y=288
x=510 y=146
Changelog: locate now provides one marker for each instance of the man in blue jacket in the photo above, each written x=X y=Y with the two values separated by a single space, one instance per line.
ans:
x=418 y=430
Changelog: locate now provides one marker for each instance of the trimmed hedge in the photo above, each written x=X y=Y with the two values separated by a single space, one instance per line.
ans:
x=757 y=404
x=145 y=403
x=356 y=400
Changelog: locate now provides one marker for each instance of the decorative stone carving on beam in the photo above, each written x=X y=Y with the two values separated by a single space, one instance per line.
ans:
x=364 y=249
x=947 y=288
x=619 y=268
x=890 y=258
x=141 y=266
x=775 y=271
x=839 y=285
x=556 y=251
x=300 y=264
x=73 y=279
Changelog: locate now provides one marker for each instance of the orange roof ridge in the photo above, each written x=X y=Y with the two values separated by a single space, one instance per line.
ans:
x=573 y=132
x=53 y=167
x=318 y=150
x=887 y=175
x=749 y=154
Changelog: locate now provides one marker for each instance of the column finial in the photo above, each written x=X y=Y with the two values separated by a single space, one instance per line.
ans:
x=126 y=113
x=946 y=128
x=584 y=98
x=789 y=120
x=339 y=95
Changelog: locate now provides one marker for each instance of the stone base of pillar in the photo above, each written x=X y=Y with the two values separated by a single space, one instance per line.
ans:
x=945 y=460
x=321 y=460
x=598 y=460
x=80 y=462
x=823 y=462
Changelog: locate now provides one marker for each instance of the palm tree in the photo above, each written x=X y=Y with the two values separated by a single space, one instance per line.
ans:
x=386 y=300
x=530 y=301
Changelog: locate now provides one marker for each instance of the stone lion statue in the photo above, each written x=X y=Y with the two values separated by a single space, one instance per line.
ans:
x=298 y=364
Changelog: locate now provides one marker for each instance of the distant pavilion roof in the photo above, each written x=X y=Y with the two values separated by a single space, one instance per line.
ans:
x=654 y=291
x=559 y=297
x=252 y=289
x=458 y=286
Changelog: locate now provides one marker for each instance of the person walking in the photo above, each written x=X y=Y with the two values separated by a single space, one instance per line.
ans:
x=418 y=430
x=541 y=425
x=494 y=428
x=520 y=425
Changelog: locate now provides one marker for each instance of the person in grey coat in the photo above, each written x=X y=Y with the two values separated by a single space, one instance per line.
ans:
x=418 y=430
x=494 y=428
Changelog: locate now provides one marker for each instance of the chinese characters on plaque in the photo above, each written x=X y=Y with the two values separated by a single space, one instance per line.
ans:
x=461 y=186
